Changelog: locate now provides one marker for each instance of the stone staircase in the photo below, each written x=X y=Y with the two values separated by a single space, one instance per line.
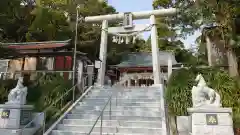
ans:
x=134 y=111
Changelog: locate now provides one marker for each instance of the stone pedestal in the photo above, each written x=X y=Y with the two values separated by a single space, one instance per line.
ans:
x=15 y=116
x=211 y=121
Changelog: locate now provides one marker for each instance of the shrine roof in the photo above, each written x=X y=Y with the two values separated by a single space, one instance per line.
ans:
x=36 y=45
x=144 y=59
x=81 y=55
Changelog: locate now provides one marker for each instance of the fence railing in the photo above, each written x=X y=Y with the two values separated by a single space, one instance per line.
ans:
x=58 y=107
x=33 y=74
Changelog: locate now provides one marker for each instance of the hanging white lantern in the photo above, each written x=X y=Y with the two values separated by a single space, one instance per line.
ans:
x=122 y=40
x=127 y=39
x=134 y=39
x=119 y=40
x=114 y=39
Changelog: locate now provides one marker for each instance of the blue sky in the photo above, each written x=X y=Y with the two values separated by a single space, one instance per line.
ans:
x=142 y=5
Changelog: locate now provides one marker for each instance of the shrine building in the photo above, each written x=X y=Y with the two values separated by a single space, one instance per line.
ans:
x=33 y=57
x=136 y=69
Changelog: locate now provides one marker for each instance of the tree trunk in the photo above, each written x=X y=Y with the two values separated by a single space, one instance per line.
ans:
x=232 y=63
x=172 y=125
x=216 y=52
x=209 y=51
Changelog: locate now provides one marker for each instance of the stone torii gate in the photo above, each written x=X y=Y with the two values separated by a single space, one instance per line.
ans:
x=130 y=28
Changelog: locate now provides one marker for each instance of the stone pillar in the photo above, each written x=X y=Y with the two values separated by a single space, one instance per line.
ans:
x=129 y=82
x=211 y=121
x=147 y=82
x=103 y=53
x=14 y=117
x=169 y=67
x=136 y=83
x=79 y=71
x=90 y=74
x=155 y=51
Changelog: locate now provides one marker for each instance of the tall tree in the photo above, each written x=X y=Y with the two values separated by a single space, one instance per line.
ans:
x=194 y=14
x=15 y=20
x=50 y=22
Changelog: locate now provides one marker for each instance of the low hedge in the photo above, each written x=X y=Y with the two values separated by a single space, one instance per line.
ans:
x=178 y=94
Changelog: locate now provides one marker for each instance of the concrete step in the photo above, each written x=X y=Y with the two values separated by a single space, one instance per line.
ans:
x=138 y=112
x=140 y=91
x=130 y=91
x=123 y=112
x=125 y=123
x=148 y=100
x=119 y=113
x=126 y=97
x=119 y=103
x=59 y=132
x=83 y=128
x=113 y=117
x=136 y=130
x=123 y=99
x=102 y=91
x=127 y=92
x=138 y=94
x=118 y=108
x=140 y=88
x=103 y=95
x=110 y=129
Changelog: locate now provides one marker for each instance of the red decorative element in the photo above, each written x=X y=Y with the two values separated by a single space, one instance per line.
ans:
x=37 y=46
x=68 y=66
x=59 y=64
x=135 y=69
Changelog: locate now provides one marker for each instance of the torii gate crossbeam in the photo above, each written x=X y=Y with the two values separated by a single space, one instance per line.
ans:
x=136 y=15
x=154 y=38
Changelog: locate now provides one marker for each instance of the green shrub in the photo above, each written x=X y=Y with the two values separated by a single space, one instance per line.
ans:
x=47 y=90
x=42 y=93
x=178 y=94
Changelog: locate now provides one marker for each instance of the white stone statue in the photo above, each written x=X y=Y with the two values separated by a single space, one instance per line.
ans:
x=203 y=96
x=18 y=94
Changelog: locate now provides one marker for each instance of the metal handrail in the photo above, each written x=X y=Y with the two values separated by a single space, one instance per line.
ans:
x=101 y=115
x=31 y=122
x=50 y=106
x=56 y=101
x=45 y=110
x=66 y=112
x=109 y=101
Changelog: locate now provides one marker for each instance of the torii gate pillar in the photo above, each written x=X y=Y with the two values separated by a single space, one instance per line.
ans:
x=155 y=52
x=103 y=53
x=154 y=38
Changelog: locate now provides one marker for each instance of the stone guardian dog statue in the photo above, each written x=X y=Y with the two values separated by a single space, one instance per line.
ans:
x=203 y=96
x=18 y=94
